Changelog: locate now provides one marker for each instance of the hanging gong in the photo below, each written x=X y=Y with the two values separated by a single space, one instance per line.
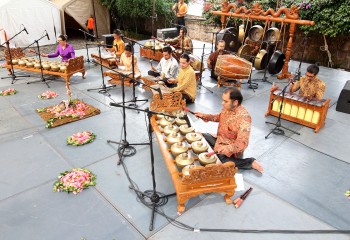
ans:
x=255 y=33
x=241 y=33
x=230 y=36
x=261 y=60
x=272 y=35
x=276 y=62
x=245 y=52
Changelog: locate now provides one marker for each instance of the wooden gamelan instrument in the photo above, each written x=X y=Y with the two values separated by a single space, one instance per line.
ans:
x=179 y=146
x=295 y=109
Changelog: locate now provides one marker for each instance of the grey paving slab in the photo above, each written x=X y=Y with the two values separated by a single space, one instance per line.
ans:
x=321 y=141
x=338 y=116
x=255 y=213
x=43 y=214
x=27 y=163
x=307 y=179
x=113 y=184
x=11 y=121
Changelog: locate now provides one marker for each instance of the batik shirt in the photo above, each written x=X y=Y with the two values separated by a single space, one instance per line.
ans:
x=233 y=130
x=310 y=88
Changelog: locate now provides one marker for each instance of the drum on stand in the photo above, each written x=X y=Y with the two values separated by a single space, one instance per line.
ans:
x=233 y=67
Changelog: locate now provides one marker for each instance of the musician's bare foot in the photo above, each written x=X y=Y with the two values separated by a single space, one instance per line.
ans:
x=257 y=166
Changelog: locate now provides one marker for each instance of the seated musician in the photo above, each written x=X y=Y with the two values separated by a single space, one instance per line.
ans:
x=168 y=67
x=233 y=131
x=182 y=42
x=310 y=86
x=126 y=60
x=118 y=44
x=185 y=81
x=211 y=62
x=64 y=50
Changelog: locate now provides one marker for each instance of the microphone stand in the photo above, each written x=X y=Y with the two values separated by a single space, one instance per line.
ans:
x=86 y=44
x=42 y=79
x=278 y=126
x=13 y=75
x=298 y=73
x=134 y=98
x=267 y=62
x=153 y=196
x=201 y=72
x=126 y=148
x=103 y=89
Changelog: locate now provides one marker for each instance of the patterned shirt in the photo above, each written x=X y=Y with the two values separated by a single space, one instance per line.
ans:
x=233 y=130
x=310 y=88
x=186 y=83
x=66 y=53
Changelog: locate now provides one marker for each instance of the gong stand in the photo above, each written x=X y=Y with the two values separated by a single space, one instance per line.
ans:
x=13 y=75
x=152 y=198
x=256 y=12
x=278 y=129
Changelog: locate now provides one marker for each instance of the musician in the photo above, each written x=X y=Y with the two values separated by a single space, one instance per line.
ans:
x=118 y=44
x=180 y=9
x=233 y=131
x=183 y=42
x=64 y=50
x=126 y=60
x=167 y=68
x=186 y=80
x=310 y=86
x=211 y=62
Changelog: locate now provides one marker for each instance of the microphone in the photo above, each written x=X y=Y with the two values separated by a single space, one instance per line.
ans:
x=47 y=35
x=160 y=94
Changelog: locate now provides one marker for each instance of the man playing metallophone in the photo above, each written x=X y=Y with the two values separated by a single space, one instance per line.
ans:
x=167 y=68
x=233 y=131
x=118 y=44
x=186 y=80
x=310 y=86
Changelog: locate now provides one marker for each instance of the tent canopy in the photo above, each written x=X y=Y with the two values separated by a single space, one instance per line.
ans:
x=35 y=15
x=80 y=11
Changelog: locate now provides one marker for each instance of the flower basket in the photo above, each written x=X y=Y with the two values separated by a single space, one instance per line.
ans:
x=74 y=181
x=81 y=138
x=48 y=95
x=7 y=92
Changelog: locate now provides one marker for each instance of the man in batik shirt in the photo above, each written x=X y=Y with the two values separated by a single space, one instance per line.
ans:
x=310 y=86
x=233 y=131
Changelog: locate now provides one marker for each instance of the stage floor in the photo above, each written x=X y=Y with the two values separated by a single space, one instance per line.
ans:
x=302 y=188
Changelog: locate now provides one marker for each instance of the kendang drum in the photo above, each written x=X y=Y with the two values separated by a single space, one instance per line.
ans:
x=233 y=67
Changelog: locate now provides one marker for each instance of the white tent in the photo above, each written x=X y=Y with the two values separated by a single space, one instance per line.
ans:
x=80 y=11
x=35 y=15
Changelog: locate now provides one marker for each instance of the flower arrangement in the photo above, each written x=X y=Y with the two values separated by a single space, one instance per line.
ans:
x=81 y=138
x=347 y=193
x=10 y=91
x=48 y=95
x=74 y=181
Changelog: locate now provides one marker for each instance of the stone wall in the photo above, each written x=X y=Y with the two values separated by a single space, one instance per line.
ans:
x=339 y=47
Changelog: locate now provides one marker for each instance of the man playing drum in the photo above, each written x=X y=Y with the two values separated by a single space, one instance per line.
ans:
x=310 y=86
x=233 y=131
x=186 y=80
x=211 y=62
x=167 y=68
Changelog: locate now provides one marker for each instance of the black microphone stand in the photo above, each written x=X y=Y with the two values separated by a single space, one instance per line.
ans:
x=103 y=89
x=267 y=62
x=298 y=73
x=201 y=72
x=134 y=98
x=278 y=126
x=153 y=196
x=86 y=44
x=13 y=75
x=42 y=79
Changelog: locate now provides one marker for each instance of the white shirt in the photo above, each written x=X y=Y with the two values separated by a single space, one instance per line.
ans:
x=169 y=67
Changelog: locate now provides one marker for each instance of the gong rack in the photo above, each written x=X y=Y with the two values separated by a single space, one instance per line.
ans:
x=291 y=16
